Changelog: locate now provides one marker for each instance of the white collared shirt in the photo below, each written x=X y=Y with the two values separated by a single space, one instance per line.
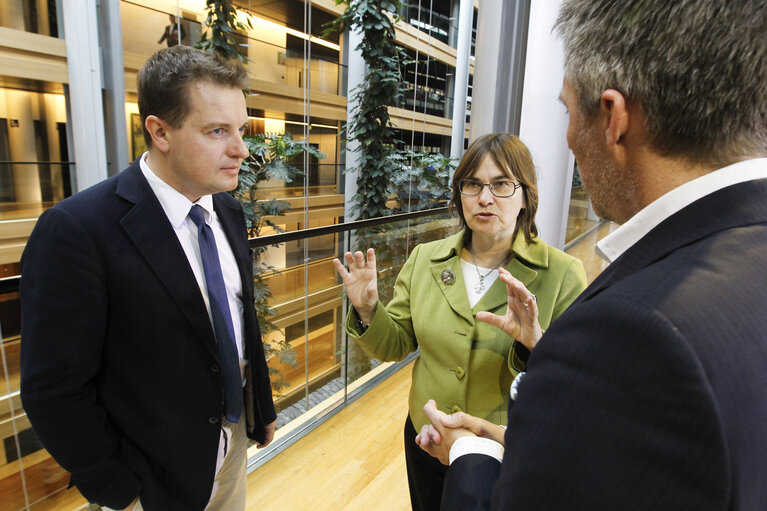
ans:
x=176 y=207
x=620 y=240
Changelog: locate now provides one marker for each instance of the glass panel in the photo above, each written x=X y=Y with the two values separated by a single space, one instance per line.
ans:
x=581 y=217
x=393 y=244
x=433 y=18
x=34 y=171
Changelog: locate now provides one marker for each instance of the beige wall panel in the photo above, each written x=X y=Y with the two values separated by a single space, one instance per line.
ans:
x=31 y=66
x=409 y=120
x=33 y=43
x=411 y=37
x=329 y=6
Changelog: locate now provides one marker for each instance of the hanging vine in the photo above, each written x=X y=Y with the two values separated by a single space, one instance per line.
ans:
x=222 y=22
x=369 y=125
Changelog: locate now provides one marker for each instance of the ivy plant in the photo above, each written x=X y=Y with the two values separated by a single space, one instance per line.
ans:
x=269 y=159
x=423 y=181
x=222 y=22
x=369 y=124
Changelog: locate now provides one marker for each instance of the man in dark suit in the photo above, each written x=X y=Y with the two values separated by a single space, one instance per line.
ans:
x=650 y=391
x=142 y=368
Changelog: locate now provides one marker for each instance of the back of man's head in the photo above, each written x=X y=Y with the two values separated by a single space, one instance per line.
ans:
x=164 y=79
x=697 y=68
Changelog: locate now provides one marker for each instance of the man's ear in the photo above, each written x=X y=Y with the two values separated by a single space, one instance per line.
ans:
x=615 y=114
x=158 y=130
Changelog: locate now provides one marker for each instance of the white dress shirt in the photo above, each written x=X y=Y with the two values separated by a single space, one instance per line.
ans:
x=176 y=208
x=620 y=240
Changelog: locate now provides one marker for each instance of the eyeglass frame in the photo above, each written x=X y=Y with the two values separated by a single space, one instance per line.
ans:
x=490 y=186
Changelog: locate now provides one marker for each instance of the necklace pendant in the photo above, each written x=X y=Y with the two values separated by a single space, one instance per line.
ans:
x=480 y=287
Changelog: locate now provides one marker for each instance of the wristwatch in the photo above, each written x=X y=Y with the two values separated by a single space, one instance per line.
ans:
x=361 y=327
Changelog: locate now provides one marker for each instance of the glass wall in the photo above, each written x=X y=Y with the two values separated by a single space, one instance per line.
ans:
x=313 y=361
x=298 y=90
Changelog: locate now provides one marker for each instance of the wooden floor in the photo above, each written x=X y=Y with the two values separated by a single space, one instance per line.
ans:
x=354 y=460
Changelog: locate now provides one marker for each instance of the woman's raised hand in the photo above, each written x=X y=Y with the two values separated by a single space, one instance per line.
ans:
x=521 y=318
x=360 y=281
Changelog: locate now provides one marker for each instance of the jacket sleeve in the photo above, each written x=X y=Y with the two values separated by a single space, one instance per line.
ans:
x=390 y=335
x=469 y=483
x=573 y=284
x=64 y=306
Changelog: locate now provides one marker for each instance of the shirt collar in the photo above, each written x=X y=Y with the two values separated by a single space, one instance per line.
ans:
x=620 y=240
x=173 y=202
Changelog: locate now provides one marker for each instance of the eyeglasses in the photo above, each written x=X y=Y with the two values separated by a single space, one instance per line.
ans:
x=498 y=188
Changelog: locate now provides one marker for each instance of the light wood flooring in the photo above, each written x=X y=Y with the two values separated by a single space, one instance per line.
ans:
x=354 y=460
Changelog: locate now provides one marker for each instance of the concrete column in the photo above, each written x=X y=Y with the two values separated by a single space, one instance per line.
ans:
x=85 y=97
x=544 y=123
x=22 y=145
x=461 y=83
x=116 y=133
x=499 y=66
x=355 y=77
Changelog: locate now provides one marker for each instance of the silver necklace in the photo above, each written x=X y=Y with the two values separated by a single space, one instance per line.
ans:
x=480 y=288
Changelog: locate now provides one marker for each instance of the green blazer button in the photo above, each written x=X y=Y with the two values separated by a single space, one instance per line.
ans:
x=459 y=373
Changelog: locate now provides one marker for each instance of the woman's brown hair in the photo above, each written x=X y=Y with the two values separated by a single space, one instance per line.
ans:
x=511 y=156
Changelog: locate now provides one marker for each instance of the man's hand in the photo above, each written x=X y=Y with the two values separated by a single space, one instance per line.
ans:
x=436 y=438
x=269 y=435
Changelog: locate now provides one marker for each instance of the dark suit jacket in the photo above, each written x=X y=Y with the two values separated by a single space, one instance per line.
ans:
x=120 y=373
x=650 y=391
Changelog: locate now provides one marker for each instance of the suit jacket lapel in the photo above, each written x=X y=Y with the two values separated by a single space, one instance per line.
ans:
x=148 y=227
x=732 y=206
x=232 y=223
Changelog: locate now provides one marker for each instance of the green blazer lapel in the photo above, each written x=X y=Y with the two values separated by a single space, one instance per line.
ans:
x=446 y=258
x=455 y=293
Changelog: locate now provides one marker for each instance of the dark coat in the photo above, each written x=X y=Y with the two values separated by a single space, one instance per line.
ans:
x=650 y=391
x=120 y=372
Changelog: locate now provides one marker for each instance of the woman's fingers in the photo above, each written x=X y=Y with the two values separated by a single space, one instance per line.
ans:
x=516 y=290
x=339 y=266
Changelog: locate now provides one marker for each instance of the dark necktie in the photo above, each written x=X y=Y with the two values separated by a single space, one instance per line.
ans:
x=222 y=319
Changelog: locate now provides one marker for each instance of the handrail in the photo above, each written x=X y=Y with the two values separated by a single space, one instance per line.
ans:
x=13 y=162
x=11 y=284
x=284 y=237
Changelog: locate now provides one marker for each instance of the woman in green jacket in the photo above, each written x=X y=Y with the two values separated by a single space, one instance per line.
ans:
x=446 y=286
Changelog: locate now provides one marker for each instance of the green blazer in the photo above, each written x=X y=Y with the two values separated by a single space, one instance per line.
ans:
x=465 y=365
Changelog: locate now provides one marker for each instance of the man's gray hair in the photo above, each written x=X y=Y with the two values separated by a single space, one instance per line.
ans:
x=697 y=68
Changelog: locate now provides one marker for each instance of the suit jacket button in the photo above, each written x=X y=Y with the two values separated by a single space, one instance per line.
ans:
x=459 y=373
x=456 y=409
x=213 y=420
x=214 y=368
